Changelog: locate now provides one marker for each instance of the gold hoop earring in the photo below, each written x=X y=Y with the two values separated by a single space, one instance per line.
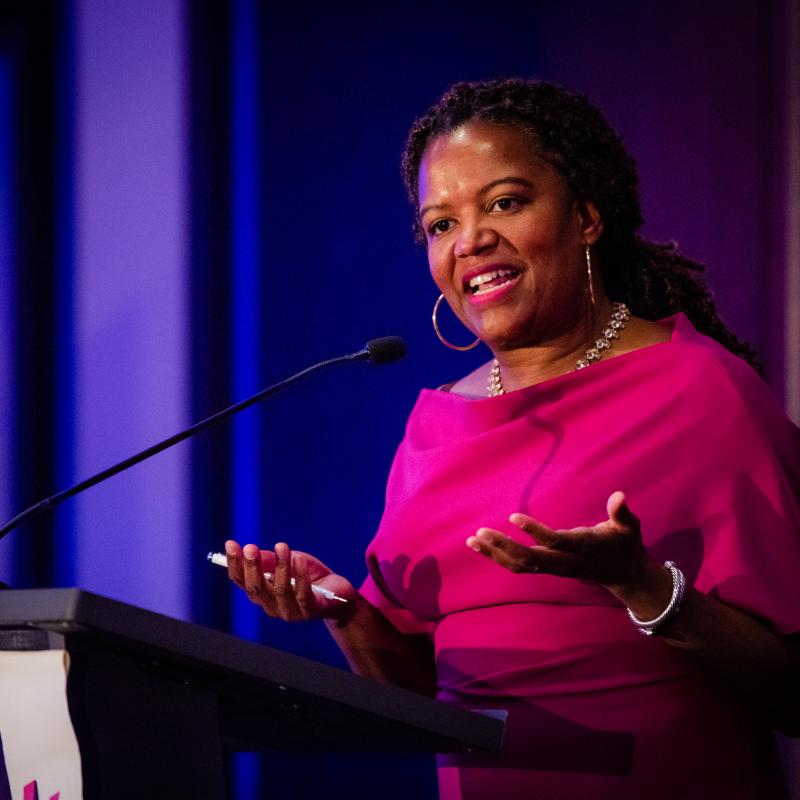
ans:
x=588 y=254
x=439 y=333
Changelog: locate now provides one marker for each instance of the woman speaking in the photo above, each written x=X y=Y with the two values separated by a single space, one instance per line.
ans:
x=597 y=530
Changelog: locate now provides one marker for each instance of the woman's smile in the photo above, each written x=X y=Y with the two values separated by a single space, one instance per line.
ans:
x=490 y=283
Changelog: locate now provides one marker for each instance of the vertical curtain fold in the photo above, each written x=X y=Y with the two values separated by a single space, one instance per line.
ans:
x=211 y=286
x=29 y=38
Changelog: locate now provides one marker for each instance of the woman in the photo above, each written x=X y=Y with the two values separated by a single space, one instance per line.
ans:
x=527 y=204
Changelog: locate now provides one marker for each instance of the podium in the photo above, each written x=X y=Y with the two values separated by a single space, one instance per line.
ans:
x=155 y=701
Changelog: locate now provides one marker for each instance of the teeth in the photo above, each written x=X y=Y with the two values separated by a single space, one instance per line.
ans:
x=485 y=277
x=490 y=288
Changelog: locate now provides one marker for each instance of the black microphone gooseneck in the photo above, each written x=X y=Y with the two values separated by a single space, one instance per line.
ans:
x=377 y=351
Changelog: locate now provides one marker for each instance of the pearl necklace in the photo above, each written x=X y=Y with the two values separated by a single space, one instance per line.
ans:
x=619 y=319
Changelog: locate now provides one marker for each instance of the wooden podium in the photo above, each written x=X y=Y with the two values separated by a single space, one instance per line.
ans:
x=154 y=701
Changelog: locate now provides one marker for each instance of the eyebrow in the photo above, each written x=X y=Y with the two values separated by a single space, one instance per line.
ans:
x=508 y=179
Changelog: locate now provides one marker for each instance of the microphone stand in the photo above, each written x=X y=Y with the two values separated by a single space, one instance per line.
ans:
x=378 y=351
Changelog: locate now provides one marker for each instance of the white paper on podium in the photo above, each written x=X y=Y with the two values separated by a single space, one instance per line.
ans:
x=38 y=740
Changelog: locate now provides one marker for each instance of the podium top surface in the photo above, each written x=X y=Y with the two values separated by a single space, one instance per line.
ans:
x=310 y=705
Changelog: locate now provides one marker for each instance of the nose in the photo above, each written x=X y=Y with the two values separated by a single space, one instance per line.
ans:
x=474 y=238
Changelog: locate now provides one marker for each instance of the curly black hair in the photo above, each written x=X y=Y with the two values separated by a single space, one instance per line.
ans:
x=572 y=135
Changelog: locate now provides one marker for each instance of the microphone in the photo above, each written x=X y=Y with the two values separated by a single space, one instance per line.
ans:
x=385 y=349
x=376 y=351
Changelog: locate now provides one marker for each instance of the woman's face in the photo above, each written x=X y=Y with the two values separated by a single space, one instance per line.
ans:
x=505 y=237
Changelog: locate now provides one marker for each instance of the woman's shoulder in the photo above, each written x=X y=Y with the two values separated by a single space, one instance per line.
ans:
x=713 y=361
x=640 y=333
x=687 y=356
x=710 y=375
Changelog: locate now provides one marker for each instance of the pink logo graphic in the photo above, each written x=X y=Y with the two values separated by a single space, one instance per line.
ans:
x=31 y=792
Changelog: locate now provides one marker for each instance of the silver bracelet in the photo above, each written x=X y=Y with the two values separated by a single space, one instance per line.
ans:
x=648 y=627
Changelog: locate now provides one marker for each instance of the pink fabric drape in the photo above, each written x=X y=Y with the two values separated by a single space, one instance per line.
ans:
x=711 y=466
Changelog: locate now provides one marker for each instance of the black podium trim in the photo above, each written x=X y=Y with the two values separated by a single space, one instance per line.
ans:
x=267 y=699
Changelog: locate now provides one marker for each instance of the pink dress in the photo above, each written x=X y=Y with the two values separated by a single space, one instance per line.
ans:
x=711 y=466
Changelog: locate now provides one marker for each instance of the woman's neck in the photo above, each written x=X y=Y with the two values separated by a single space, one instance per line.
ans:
x=527 y=365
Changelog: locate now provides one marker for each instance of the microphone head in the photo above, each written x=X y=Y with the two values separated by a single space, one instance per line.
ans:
x=385 y=349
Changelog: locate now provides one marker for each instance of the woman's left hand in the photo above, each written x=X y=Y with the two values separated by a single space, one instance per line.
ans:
x=610 y=553
x=757 y=664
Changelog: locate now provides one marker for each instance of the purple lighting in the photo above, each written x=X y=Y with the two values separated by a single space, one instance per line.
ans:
x=130 y=298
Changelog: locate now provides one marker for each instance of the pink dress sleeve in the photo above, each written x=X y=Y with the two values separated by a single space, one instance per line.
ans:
x=752 y=530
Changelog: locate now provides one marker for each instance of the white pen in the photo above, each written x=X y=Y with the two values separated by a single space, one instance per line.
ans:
x=221 y=560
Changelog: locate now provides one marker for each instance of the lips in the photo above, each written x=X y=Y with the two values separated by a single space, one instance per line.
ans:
x=489 y=279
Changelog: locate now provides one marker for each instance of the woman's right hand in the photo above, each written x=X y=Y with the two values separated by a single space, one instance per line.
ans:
x=277 y=597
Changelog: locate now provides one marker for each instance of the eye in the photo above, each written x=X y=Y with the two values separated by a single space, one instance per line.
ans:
x=506 y=204
x=439 y=226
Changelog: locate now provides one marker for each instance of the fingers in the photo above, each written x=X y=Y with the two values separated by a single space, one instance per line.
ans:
x=233 y=552
x=235 y=555
x=304 y=595
x=619 y=513
x=600 y=552
x=282 y=590
x=506 y=552
x=255 y=584
x=541 y=533
x=276 y=595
